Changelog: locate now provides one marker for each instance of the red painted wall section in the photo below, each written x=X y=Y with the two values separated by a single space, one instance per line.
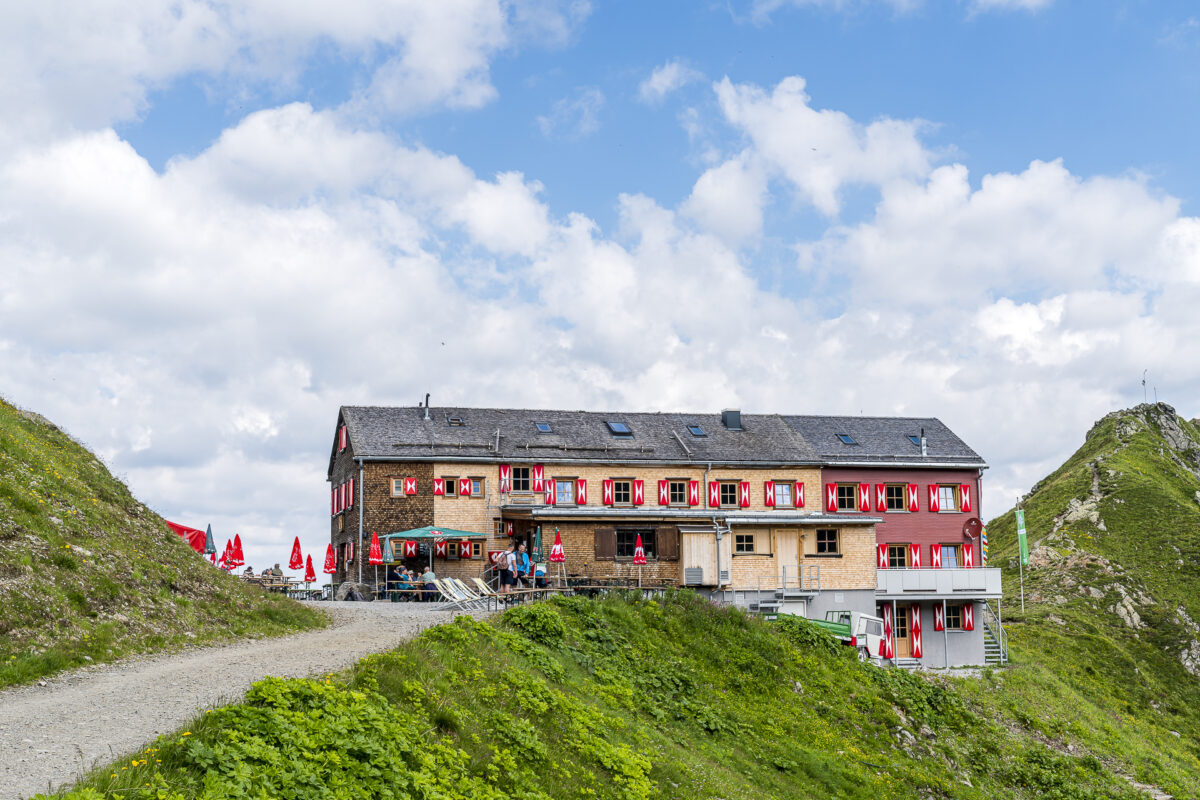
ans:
x=922 y=527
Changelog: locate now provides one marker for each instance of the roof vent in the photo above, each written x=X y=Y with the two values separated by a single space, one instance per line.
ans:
x=455 y=422
x=924 y=445
x=731 y=418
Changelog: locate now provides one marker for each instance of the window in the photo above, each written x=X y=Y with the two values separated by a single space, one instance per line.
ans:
x=564 y=491
x=476 y=549
x=696 y=430
x=678 y=493
x=874 y=627
x=897 y=556
x=729 y=494
x=827 y=541
x=948 y=498
x=953 y=617
x=451 y=486
x=476 y=487
x=846 y=438
x=847 y=497
x=455 y=422
x=627 y=541
x=451 y=549
x=620 y=430
x=520 y=479
x=621 y=494
x=894 y=495
x=543 y=427
x=743 y=543
x=397 y=487
x=915 y=440
x=950 y=556
x=783 y=494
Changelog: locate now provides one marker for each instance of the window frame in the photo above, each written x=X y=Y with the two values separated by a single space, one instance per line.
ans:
x=628 y=483
x=615 y=427
x=846 y=439
x=957 y=609
x=548 y=427
x=722 y=485
x=957 y=550
x=682 y=484
x=903 y=550
x=837 y=542
x=853 y=497
x=649 y=543
x=397 y=483
x=743 y=544
x=903 y=498
x=697 y=431
x=528 y=479
x=790 y=486
x=451 y=487
x=954 y=492
x=569 y=483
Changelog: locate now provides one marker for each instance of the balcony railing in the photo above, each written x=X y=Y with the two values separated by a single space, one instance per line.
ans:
x=927 y=582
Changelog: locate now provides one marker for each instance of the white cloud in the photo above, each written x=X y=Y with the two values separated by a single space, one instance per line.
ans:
x=663 y=80
x=728 y=199
x=574 y=117
x=819 y=150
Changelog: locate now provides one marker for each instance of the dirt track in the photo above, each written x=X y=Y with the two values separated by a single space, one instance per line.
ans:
x=50 y=734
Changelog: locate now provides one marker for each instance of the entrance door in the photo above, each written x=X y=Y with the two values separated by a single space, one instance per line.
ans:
x=903 y=643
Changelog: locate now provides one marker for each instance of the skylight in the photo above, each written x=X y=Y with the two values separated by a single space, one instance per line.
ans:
x=619 y=430
x=543 y=427
x=846 y=438
x=915 y=440
x=696 y=430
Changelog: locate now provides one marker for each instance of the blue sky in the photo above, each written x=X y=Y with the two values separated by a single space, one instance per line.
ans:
x=243 y=215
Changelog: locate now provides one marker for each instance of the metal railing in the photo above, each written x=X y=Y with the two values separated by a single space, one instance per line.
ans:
x=794 y=578
x=991 y=621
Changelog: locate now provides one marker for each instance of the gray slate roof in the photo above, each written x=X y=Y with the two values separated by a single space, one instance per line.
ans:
x=403 y=433
x=882 y=439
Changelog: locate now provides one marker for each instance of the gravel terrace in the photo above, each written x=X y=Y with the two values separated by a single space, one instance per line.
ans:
x=50 y=734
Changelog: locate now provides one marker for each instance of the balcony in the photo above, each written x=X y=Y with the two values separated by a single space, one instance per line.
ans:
x=937 y=584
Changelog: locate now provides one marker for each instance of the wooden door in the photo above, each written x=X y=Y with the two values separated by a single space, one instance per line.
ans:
x=903 y=642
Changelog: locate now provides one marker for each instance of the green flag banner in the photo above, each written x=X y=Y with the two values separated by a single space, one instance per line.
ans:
x=1022 y=542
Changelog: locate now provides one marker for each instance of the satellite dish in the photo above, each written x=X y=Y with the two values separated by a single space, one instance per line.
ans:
x=971 y=528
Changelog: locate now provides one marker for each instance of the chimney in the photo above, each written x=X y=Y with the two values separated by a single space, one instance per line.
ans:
x=731 y=418
x=924 y=444
x=427 y=406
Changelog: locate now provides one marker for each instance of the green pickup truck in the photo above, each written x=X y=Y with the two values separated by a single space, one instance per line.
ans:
x=861 y=631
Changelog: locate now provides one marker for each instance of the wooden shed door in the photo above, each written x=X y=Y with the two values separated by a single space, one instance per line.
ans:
x=903 y=643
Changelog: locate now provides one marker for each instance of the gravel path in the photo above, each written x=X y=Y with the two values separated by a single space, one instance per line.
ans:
x=50 y=734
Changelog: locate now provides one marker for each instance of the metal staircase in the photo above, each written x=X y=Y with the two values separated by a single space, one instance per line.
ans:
x=995 y=640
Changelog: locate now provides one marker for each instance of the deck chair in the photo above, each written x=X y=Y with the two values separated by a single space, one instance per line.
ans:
x=452 y=594
x=483 y=589
x=479 y=600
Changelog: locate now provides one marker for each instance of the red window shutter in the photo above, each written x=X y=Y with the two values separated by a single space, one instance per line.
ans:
x=914 y=629
x=887 y=645
x=539 y=478
x=350 y=499
x=333 y=503
x=506 y=477
x=464 y=487
x=744 y=494
x=939 y=619
x=933 y=497
x=439 y=548
x=410 y=485
x=935 y=555
x=968 y=617
x=914 y=556
x=714 y=494
x=883 y=559
x=548 y=485
x=581 y=492
x=606 y=492
x=968 y=551
x=831 y=497
x=914 y=497
x=464 y=548
x=964 y=492
x=664 y=493
x=769 y=493
x=799 y=494
x=439 y=486
x=864 y=497
x=639 y=492
x=693 y=493
x=880 y=497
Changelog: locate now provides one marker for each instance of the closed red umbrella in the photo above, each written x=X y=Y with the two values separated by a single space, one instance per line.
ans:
x=309 y=574
x=557 y=554
x=375 y=556
x=239 y=558
x=297 y=559
x=330 y=560
x=639 y=556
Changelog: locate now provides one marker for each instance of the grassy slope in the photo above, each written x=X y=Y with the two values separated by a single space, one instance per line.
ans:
x=1080 y=674
x=88 y=572
x=578 y=698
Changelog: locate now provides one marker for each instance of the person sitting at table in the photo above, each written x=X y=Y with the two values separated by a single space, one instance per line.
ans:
x=406 y=585
x=249 y=573
x=428 y=578
x=539 y=572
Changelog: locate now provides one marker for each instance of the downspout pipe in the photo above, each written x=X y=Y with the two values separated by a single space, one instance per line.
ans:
x=358 y=547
